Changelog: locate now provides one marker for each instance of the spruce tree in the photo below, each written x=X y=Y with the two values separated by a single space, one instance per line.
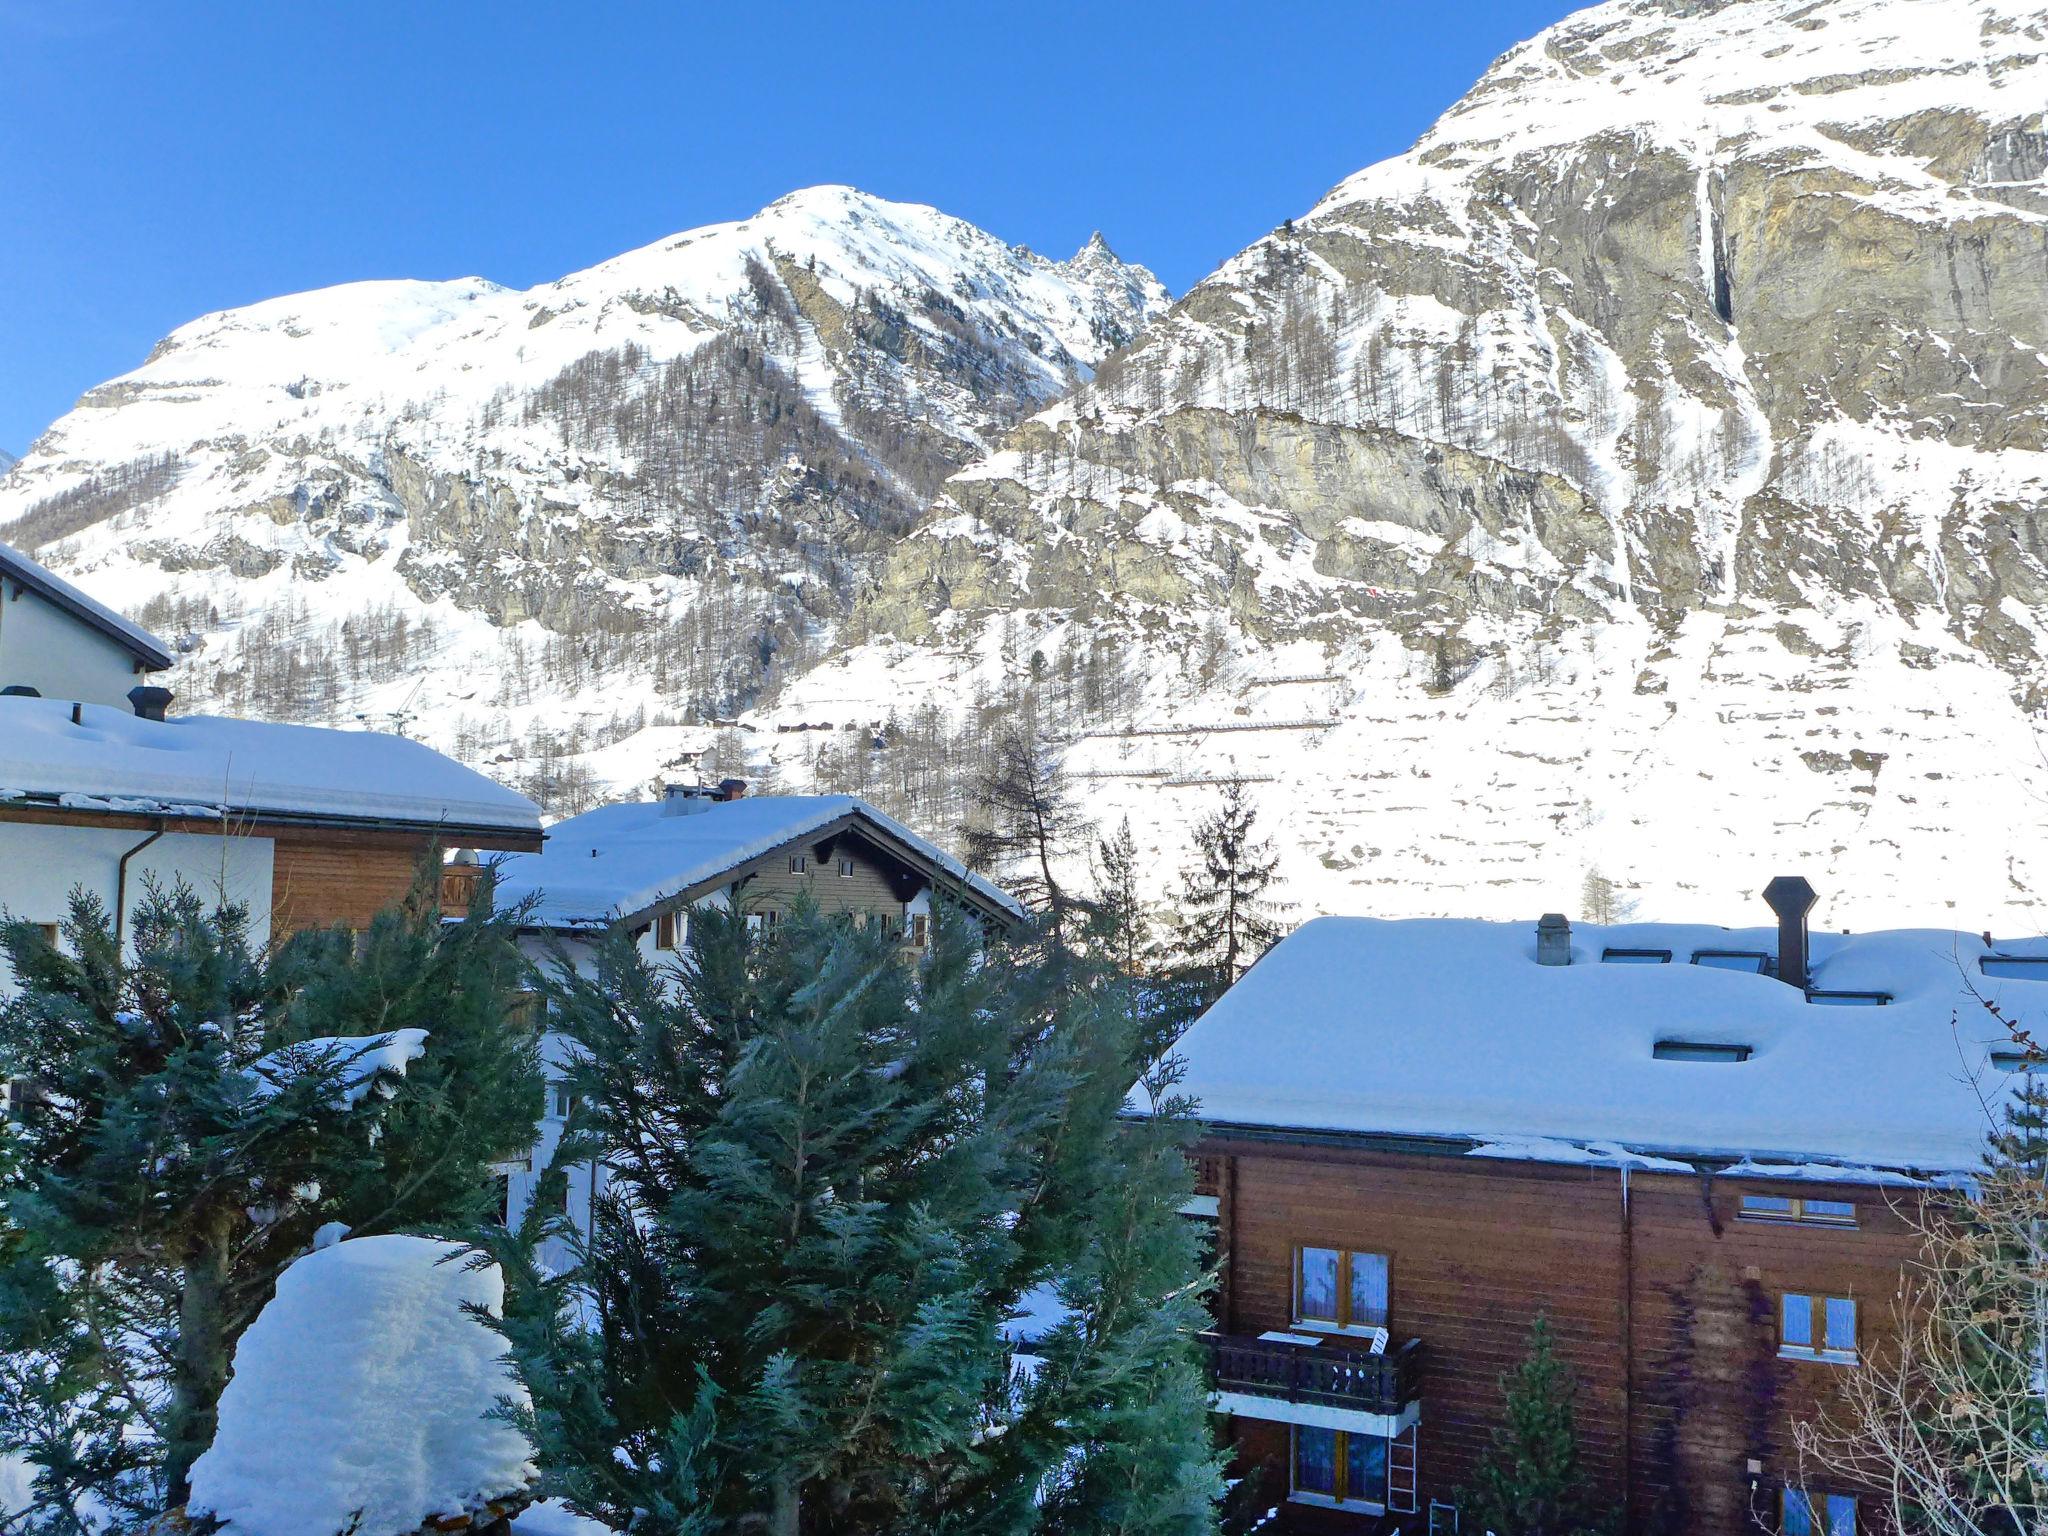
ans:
x=832 y=1177
x=1530 y=1482
x=180 y=1138
x=1226 y=920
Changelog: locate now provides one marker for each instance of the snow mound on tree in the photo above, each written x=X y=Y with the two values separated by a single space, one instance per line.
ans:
x=359 y=1398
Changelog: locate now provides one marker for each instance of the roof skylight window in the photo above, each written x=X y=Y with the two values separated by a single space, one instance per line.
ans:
x=1698 y=1050
x=1754 y=961
x=1635 y=957
x=2017 y=1061
x=1849 y=999
x=2018 y=967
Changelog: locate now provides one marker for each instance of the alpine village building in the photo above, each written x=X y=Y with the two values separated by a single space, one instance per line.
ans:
x=102 y=789
x=1692 y=1150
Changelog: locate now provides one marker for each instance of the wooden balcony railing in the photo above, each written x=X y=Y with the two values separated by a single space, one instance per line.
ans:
x=1325 y=1374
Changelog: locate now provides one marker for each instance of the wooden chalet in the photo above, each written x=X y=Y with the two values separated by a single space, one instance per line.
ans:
x=1691 y=1149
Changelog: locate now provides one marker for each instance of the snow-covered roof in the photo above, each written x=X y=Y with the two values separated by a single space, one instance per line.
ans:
x=1449 y=1028
x=363 y=1398
x=621 y=860
x=113 y=760
x=47 y=584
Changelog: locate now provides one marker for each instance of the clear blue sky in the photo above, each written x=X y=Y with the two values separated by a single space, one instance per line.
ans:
x=166 y=160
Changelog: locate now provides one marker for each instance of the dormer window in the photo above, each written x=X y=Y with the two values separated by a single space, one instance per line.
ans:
x=2015 y=967
x=1635 y=957
x=1698 y=1050
x=1849 y=999
x=1753 y=961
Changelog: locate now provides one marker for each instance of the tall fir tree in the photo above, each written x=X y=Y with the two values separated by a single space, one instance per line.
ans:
x=832 y=1178
x=1023 y=823
x=179 y=1139
x=1530 y=1482
x=1226 y=918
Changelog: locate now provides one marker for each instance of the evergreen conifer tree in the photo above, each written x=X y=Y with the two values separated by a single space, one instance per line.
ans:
x=1226 y=919
x=1530 y=1482
x=181 y=1136
x=1023 y=822
x=832 y=1177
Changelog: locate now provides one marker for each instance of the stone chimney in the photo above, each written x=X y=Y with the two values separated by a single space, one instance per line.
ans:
x=1553 y=939
x=1791 y=898
x=149 y=702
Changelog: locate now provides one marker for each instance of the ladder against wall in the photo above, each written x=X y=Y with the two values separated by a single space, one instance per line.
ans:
x=1401 y=1472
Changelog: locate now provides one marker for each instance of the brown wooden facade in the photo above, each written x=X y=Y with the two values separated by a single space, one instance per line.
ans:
x=1663 y=1296
x=322 y=874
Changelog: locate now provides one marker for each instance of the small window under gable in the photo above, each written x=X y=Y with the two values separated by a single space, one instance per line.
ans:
x=1754 y=961
x=1849 y=999
x=2015 y=967
x=798 y=863
x=1698 y=1050
x=1635 y=957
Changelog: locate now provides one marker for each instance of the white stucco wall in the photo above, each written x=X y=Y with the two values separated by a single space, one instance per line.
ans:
x=41 y=865
x=47 y=649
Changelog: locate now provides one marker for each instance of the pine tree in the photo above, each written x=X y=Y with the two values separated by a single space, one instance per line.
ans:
x=832 y=1179
x=1226 y=920
x=474 y=1099
x=181 y=1138
x=1023 y=822
x=1530 y=1482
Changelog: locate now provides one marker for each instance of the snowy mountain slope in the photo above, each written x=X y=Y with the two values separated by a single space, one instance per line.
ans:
x=1645 y=473
x=525 y=515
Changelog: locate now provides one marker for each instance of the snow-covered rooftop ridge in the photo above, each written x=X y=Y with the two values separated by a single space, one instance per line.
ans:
x=362 y=1398
x=112 y=760
x=39 y=578
x=623 y=859
x=1780 y=71
x=1450 y=1028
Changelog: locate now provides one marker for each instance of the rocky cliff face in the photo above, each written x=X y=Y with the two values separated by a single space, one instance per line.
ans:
x=649 y=487
x=1647 y=467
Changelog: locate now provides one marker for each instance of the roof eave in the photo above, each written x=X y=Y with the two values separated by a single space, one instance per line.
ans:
x=1704 y=1159
x=153 y=658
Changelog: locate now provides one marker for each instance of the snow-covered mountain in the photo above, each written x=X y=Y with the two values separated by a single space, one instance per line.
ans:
x=531 y=519
x=1643 y=474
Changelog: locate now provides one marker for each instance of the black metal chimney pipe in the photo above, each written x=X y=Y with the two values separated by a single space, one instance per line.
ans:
x=1791 y=898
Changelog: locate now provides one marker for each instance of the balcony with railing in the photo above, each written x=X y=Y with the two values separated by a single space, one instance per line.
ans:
x=1297 y=1381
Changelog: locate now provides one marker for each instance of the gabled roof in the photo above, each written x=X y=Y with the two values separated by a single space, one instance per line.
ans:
x=622 y=861
x=1450 y=1029
x=197 y=766
x=146 y=648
